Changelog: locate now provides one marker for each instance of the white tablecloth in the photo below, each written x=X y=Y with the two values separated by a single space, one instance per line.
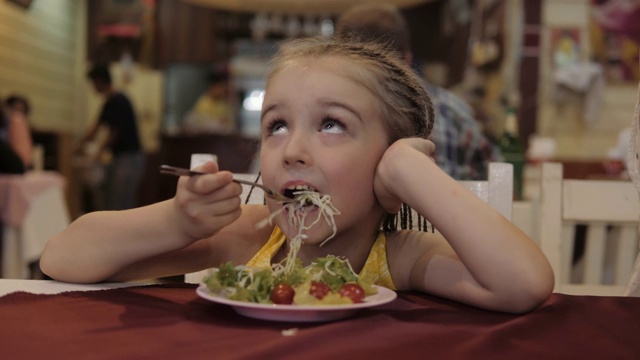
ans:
x=8 y=286
x=32 y=210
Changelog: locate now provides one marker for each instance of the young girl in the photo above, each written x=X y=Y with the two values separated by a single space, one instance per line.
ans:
x=347 y=120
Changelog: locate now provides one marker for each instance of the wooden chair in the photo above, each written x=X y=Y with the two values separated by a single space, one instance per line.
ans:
x=609 y=210
x=497 y=190
x=525 y=216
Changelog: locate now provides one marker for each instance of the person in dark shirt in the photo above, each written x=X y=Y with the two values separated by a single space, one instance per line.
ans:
x=10 y=162
x=125 y=170
x=15 y=143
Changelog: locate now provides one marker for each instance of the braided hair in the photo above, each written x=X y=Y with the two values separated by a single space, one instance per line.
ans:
x=404 y=103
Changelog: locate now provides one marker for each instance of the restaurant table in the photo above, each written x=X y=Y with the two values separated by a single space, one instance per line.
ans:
x=170 y=321
x=32 y=209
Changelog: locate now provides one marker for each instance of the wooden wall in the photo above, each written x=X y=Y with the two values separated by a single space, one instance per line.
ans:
x=40 y=51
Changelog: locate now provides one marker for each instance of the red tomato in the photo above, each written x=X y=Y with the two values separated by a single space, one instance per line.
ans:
x=353 y=291
x=282 y=294
x=319 y=290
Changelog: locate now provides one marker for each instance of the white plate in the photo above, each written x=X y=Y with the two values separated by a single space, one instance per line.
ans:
x=298 y=313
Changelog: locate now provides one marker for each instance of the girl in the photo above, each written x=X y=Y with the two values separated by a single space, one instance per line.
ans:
x=347 y=120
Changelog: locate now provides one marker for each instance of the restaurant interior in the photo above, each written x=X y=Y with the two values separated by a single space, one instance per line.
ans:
x=160 y=53
x=553 y=84
x=495 y=54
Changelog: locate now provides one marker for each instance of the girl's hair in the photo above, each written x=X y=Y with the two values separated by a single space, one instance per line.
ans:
x=406 y=108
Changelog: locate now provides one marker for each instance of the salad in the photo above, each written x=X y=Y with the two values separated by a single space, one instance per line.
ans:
x=326 y=281
x=329 y=280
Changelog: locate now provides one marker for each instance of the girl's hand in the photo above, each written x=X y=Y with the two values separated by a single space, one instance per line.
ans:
x=396 y=163
x=206 y=203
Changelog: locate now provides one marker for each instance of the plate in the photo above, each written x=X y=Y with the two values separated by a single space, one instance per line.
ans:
x=299 y=313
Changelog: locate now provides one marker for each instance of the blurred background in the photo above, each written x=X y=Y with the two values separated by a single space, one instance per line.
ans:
x=569 y=68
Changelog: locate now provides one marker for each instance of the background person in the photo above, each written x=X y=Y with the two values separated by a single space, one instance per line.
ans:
x=10 y=162
x=212 y=112
x=15 y=133
x=124 y=172
x=19 y=103
x=462 y=150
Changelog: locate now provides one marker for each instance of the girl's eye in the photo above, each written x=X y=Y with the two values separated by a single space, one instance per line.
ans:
x=276 y=127
x=332 y=126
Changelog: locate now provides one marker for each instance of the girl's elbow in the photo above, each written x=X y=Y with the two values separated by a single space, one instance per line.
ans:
x=58 y=273
x=59 y=267
x=531 y=294
x=50 y=267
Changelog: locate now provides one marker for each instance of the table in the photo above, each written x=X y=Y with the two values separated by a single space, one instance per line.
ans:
x=32 y=210
x=169 y=321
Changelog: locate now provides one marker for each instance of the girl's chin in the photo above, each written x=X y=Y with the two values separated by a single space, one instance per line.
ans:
x=315 y=236
x=312 y=213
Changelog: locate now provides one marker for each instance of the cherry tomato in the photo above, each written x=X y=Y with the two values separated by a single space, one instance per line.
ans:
x=282 y=294
x=319 y=290
x=353 y=291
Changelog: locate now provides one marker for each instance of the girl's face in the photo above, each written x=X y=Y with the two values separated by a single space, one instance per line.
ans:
x=323 y=130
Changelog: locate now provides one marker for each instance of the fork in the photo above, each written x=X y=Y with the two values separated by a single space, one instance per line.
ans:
x=178 y=171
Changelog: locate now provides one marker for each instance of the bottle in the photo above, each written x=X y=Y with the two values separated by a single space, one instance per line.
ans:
x=513 y=151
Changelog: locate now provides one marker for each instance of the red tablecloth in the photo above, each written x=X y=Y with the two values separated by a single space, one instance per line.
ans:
x=172 y=322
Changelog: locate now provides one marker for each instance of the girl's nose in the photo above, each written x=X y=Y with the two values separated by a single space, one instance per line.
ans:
x=296 y=151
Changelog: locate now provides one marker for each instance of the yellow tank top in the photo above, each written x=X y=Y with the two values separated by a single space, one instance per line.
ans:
x=375 y=268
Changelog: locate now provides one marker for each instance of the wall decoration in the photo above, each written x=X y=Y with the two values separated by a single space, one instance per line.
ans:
x=615 y=38
x=565 y=47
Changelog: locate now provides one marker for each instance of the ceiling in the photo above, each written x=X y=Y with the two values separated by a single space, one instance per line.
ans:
x=295 y=6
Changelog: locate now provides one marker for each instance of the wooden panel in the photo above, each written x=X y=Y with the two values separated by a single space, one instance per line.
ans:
x=525 y=217
x=187 y=33
x=626 y=253
x=550 y=215
x=594 y=253
x=38 y=48
x=608 y=211
x=430 y=44
x=592 y=200
x=529 y=69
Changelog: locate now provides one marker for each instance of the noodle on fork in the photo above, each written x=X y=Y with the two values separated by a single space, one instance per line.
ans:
x=297 y=210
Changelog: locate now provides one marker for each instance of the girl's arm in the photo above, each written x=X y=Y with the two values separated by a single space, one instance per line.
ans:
x=485 y=261
x=99 y=245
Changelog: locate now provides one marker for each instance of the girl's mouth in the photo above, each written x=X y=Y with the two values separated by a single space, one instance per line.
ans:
x=300 y=193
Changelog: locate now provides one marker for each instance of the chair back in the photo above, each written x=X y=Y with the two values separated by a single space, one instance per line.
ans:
x=497 y=191
x=588 y=231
